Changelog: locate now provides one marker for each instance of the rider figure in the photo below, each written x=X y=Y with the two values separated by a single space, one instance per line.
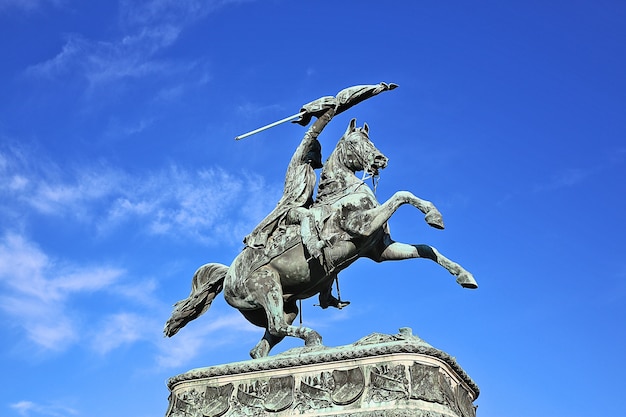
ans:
x=293 y=207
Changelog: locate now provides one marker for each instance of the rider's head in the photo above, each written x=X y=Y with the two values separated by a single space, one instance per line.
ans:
x=313 y=154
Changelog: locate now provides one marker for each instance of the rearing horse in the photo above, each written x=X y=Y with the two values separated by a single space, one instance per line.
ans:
x=351 y=222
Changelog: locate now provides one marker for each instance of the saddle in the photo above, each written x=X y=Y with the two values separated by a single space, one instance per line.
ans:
x=283 y=238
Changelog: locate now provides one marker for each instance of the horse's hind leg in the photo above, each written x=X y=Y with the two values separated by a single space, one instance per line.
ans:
x=262 y=349
x=268 y=341
x=394 y=251
x=463 y=277
x=264 y=284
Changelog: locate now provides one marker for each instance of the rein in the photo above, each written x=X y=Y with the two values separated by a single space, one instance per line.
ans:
x=375 y=180
x=361 y=160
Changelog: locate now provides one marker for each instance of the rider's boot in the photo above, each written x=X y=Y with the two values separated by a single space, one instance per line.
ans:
x=329 y=300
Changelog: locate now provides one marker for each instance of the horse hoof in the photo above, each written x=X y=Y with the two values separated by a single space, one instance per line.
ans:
x=466 y=280
x=434 y=219
x=313 y=339
x=261 y=350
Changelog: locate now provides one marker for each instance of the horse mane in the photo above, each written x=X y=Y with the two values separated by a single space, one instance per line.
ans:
x=337 y=174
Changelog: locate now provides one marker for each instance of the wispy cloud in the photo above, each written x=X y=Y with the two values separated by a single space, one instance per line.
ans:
x=102 y=62
x=168 y=12
x=193 y=204
x=28 y=6
x=41 y=293
x=146 y=28
x=42 y=296
x=189 y=343
x=174 y=201
x=249 y=110
x=564 y=179
x=573 y=177
x=36 y=290
x=121 y=329
x=29 y=408
x=116 y=129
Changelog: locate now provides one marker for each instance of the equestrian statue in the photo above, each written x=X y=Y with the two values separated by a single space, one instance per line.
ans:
x=297 y=251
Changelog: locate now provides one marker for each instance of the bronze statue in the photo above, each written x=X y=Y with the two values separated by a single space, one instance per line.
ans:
x=298 y=249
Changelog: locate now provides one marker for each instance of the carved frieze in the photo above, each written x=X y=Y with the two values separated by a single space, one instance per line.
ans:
x=465 y=402
x=315 y=392
x=279 y=393
x=213 y=402
x=216 y=400
x=348 y=386
x=426 y=384
x=383 y=383
x=388 y=382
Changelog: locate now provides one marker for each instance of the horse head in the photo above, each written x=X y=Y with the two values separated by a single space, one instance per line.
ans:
x=358 y=152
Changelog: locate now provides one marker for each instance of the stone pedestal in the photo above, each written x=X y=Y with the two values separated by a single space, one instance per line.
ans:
x=380 y=375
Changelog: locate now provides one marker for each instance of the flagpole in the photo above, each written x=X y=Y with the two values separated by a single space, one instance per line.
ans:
x=286 y=119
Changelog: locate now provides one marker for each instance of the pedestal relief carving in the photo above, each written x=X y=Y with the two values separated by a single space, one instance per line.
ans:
x=388 y=382
x=315 y=393
x=380 y=375
x=347 y=386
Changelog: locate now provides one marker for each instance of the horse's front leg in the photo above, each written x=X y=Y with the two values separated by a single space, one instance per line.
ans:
x=367 y=221
x=395 y=251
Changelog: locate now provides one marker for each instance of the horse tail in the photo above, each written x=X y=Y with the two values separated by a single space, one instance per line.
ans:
x=206 y=283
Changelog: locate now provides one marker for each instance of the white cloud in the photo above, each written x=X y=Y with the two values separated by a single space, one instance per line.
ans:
x=148 y=27
x=195 y=205
x=102 y=62
x=190 y=342
x=31 y=179
x=27 y=5
x=160 y=12
x=40 y=293
x=118 y=130
x=564 y=179
x=60 y=62
x=175 y=202
x=250 y=110
x=58 y=195
x=121 y=329
x=18 y=183
x=37 y=289
x=46 y=324
x=140 y=292
x=207 y=334
x=29 y=408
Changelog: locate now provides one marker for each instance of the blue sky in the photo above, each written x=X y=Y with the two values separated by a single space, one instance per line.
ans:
x=119 y=176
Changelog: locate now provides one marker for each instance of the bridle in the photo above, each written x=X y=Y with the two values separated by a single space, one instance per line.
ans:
x=361 y=161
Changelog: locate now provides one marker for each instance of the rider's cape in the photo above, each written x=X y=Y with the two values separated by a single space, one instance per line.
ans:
x=298 y=192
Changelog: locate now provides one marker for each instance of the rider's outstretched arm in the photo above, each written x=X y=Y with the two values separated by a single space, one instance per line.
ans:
x=325 y=109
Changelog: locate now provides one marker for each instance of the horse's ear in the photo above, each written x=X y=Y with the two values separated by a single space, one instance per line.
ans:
x=366 y=128
x=351 y=127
